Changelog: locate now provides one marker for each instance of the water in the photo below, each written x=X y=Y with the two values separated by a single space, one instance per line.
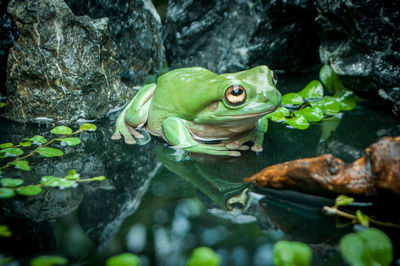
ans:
x=161 y=204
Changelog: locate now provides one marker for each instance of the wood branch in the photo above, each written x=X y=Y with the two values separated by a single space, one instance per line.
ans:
x=378 y=169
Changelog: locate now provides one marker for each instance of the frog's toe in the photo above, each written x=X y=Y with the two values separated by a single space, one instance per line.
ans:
x=116 y=135
x=235 y=145
x=129 y=140
x=257 y=148
x=244 y=147
x=135 y=133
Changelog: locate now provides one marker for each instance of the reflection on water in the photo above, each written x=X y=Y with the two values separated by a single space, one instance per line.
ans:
x=162 y=203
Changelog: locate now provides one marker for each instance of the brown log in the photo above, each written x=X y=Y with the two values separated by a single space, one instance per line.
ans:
x=378 y=169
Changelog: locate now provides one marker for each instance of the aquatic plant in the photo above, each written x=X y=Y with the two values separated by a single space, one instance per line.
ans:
x=299 y=109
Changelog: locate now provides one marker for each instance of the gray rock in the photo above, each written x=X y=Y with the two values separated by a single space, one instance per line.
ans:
x=361 y=42
x=135 y=28
x=226 y=36
x=62 y=67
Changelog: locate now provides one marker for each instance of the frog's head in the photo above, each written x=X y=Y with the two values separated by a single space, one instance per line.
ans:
x=248 y=94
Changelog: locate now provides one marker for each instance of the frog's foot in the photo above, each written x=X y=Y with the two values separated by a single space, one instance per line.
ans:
x=257 y=148
x=236 y=145
x=212 y=149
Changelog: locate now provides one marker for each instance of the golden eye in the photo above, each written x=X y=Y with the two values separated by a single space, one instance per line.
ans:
x=274 y=77
x=235 y=95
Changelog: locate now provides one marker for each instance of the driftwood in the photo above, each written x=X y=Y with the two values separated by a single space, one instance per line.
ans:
x=378 y=170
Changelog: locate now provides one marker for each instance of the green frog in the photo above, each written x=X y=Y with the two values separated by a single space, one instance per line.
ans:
x=199 y=111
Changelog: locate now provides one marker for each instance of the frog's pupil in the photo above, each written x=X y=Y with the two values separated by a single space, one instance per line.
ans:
x=237 y=91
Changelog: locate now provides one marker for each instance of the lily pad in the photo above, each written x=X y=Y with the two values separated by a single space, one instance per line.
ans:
x=4 y=231
x=330 y=79
x=88 y=127
x=299 y=122
x=38 y=139
x=313 y=90
x=11 y=182
x=21 y=165
x=125 y=259
x=346 y=100
x=61 y=130
x=328 y=104
x=279 y=115
x=292 y=98
x=30 y=190
x=292 y=253
x=49 y=261
x=312 y=114
x=70 y=141
x=49 y=152
x=72 y=175
x=25 y=143
x=6 y=145
x=2 y=104
x=6 y=193
x=53 y=181
x=11 y=152
x=203 y=256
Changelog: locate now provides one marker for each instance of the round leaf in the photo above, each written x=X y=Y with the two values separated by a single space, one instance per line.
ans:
x=330 y=79
x=49 y=152
x=21 y=165
x=313 y=90
x=48 y=261
x=6 y=145
x=4 y=231
x=53 y=181
x=125 y=259
x=88 y=127
x=61 y=130
x=279 y=115
x=11 y=182
x=292 y=253
x=25 y=143
x=204 y=256
x=70 y=141
x=312 y=114
x=292 y=98
x=30 y=190
x=328 y=105
x=37 y=139
x=343 y=200
x=379 y=244
x=11 y=152
x=346 y=100
x=6 y=193
x=2 y=104
x=298 y=122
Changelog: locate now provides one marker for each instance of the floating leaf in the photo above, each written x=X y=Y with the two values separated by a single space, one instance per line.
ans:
x=330 y=79
x=4 y=231
x=312 y=114
x=292 y=98
x=346 y=100
x=299 y=122
x=21 y=165
x=292 y=253
x=25 y=143
x=343 y=200
x=11 y=152
x=72 y=175
x=30 y=190
x=6 y=193
x=203 y=256
x=49 y=152
x=328 y=104
x=11 y=182
x=2 y=104
x=70 y=141
x=125 y=259
x=88 y=127
x=362 y=218
x=48 y=261
x=367 y=247
x=313 y=90
x=6 y=145
x=38 y=139
x=61 y=130
x=54 y=181
x=279 y=115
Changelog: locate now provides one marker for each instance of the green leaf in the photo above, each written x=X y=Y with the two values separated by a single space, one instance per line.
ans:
x=61 y=130
x=343 y=200
x=72 y=175
x=6 y=145
x=4 y=231
x=49 y=152
x=362 y=218
x=30 y=190
x=97 y=178
x=38 y=139
x=88 y=127
x=21 y=165
x=11 y=152
x=330 y=79
x=279 y=115
x=328 y=105
x=203 y=256
x=6 y=193
x=367 y=247
x=292 y=98
x=312 y=114
x=299 y=122
x=313 y=90
x=70 y=141
x=292 y=253
x=25 y=143
x=125 y=259
x=346 y=100
x=2 y=104
x=11 y=182
x=48 y=261
x=53 y=181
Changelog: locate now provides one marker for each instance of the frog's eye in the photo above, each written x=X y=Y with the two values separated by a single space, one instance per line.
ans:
x=274 y=77
x=235 y=95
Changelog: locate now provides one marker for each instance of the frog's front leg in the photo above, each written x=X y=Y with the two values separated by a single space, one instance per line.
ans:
x=134 y=115
x=176 y=132
x=258 y=134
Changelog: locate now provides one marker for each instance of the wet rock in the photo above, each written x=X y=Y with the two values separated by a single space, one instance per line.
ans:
x=226 y=36
x=62 y=67
x=361 y=42
x=135 y=28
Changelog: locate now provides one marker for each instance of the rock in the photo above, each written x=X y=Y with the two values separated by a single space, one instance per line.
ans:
x=361 y=42
x=227 y=36
x=62 y=67
x=135 y=28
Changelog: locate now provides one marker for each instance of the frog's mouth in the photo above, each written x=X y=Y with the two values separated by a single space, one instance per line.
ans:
x=244 y=116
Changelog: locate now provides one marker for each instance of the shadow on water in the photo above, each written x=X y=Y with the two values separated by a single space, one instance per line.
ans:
x=161 y=203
